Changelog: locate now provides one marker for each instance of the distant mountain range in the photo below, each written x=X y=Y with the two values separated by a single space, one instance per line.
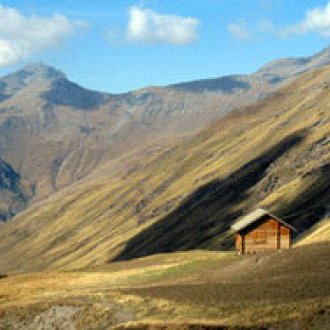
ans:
x=54 y=132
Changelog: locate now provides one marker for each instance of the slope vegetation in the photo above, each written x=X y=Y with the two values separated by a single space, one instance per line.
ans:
x=273 y=154
x=319 y=233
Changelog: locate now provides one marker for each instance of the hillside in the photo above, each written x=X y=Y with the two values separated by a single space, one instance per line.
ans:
x=319 y=233
x=273 y=154
x=54 y=132
x=194 y=290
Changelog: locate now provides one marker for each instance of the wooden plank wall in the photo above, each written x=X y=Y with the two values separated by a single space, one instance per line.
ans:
x=239 y=243
x=269 y=235
x=285 y=238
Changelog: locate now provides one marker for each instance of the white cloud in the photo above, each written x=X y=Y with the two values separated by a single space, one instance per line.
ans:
x=316 y=20
x=149 y=27
x=22 y=36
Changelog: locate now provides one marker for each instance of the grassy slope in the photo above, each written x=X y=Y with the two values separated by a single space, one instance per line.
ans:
x=317 y=234
x=274 y=153
x=290 y=289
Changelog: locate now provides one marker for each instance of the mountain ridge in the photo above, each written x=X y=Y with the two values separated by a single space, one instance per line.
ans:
x=55 y=132
x=320 y=58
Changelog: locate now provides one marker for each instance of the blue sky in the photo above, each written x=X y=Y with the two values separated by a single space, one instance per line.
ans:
x=118 y=45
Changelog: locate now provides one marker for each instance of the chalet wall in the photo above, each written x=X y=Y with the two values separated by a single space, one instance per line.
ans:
x=285 y=239
x=239 y=243
x=268 y=235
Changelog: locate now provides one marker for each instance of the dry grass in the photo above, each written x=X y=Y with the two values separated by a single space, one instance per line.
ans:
x=182 y=289
x=317 y=234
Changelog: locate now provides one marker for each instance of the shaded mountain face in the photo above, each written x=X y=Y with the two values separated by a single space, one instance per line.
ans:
x=273 y=154
x=55 y=132
x=14 y=196
x=64 y=93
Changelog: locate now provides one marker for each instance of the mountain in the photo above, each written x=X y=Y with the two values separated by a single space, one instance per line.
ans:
x=40 y=127
x=51 y=84
x=185 y=195
x=54 y=132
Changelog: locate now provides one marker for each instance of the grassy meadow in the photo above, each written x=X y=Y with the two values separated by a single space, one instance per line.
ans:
x=188 y=290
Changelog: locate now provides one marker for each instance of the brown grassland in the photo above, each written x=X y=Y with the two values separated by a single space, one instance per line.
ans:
x=183 y=290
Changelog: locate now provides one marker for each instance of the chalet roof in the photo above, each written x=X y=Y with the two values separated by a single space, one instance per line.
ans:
x=253 y=217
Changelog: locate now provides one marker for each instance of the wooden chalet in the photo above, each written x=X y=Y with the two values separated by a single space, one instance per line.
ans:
x=261 y=231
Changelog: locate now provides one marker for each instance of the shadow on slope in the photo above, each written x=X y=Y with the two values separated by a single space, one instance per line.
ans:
x=227 y=84
x=3 y=95
x=207 y=213
x=66 y=93
x=310 y=205
x=11 y=189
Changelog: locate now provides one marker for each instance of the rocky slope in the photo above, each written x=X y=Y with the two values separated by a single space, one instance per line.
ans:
x=274 y=154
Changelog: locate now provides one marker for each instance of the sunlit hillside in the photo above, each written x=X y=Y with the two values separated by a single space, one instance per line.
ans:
x=274 y=154
x=319 y=233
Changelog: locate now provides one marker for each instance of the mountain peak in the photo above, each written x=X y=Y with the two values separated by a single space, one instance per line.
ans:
x=291 y=67
x=33 y=73
x=41 y=70
x=323 y=55
x=325 y=50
